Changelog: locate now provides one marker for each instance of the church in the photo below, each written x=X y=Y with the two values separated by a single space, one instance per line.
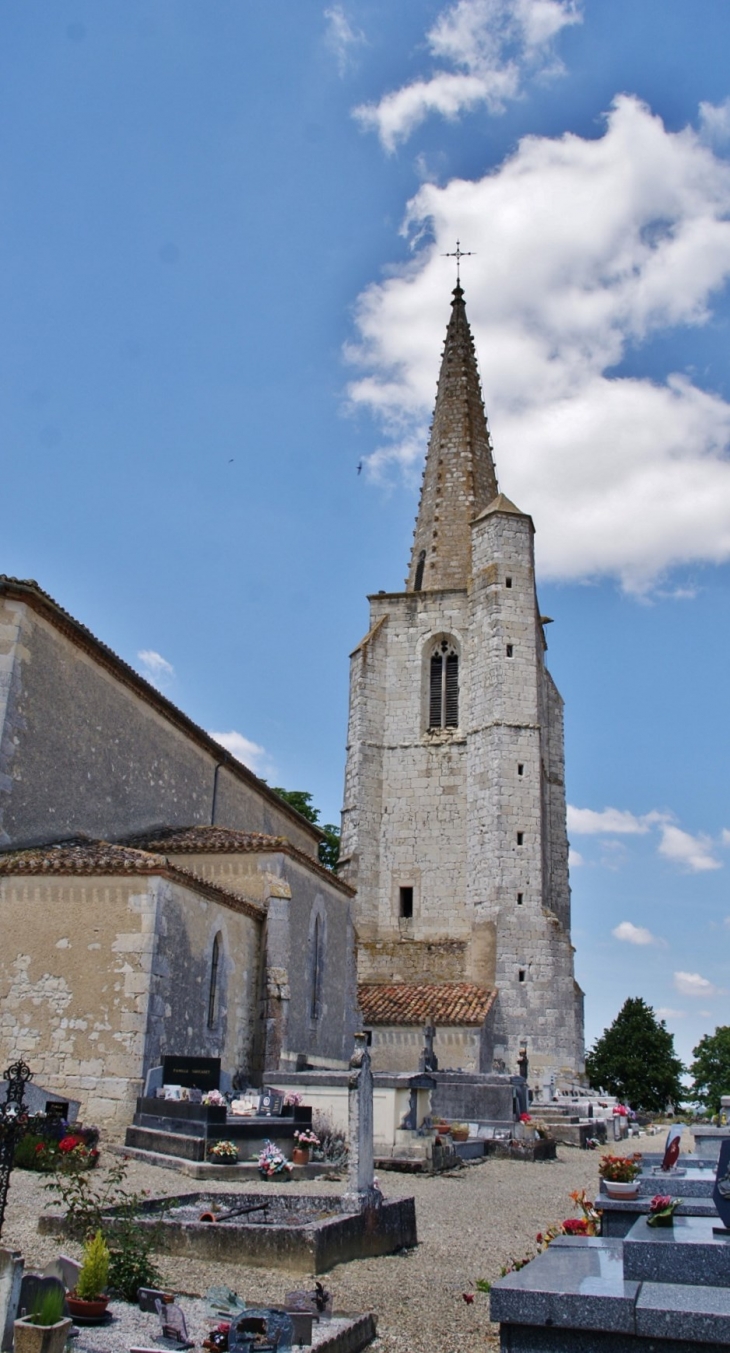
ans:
x=158 y=898
x=454 y=821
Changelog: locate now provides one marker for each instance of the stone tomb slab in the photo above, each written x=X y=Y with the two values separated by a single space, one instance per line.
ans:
x=688 y=1311
x=693 y=1183
x=299 y=1233
x=686 y=1253
x=571 y=1286
x=619 y=1214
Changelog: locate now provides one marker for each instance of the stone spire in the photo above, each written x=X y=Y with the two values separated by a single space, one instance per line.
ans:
x=459 y=478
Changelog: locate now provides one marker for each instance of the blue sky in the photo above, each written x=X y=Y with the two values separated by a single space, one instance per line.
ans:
x=222 y=290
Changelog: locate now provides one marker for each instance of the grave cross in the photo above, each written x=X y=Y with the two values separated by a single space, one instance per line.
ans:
x=13 y=1118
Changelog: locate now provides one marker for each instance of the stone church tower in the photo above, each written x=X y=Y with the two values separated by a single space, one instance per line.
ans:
x=453 y=827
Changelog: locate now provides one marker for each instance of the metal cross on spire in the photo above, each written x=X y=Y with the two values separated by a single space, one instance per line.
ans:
x=458 y=253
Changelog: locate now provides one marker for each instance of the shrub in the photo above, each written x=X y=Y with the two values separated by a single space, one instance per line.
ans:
x=332 y=1147
x=92 y=1279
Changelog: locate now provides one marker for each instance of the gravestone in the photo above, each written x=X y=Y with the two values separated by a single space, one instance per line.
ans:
x=271 y=1103
x=33 y=1289
x=11 y=1274
x=362 y=1191
x=174 y=1328
x=65 y=1269
x=37 y=1100
x=202 y=1072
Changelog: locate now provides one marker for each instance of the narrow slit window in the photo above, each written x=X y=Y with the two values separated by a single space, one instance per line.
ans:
x=314 y=1004
x=510 y=650
x=508 y=582
x=521 y=974
x=443 y=697
x=520 y=838
x=420 y=566
x=520 y=768
x=519 y=899
x=213 y=988
x=406 y=903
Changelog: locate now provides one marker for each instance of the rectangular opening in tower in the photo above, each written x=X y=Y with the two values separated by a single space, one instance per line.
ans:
x=406 y=902
x=452 y=691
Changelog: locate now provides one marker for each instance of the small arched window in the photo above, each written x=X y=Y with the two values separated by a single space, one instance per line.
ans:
x=420 y=566
x=213 y=989
x=316 y=970
x=443 y=703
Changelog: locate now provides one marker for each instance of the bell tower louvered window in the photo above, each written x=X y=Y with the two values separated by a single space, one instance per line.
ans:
x=213 y=988
x=443 y=704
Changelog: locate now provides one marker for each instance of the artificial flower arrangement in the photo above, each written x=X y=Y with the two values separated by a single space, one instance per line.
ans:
x=661 y=1210
x=215 y=1098
x=525 y=1118
x=272 y=1162
x=306 y=1139
x=223 y=1152
x=620 y=1169
x=292 y=1099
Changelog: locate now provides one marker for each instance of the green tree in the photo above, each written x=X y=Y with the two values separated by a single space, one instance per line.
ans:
x=329 y=849
x=710 y=1069
x=635 y=1059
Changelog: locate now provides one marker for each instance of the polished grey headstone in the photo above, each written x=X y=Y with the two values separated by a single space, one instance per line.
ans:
x=575 y=1284
x=687 y=1252
x=683 y=1312
x=529 y=1339
x=619 y=1215
x=695 y=1182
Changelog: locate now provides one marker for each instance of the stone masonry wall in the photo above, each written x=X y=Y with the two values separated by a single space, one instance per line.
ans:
x=81 y=752
x=75 y=972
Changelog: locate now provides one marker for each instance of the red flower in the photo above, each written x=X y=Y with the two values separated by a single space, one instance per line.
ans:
x=659 y=1202
x=576 y=1226
x=39 y=1148
x=468 y=1297
x=525 y=1118
x=69 y=1143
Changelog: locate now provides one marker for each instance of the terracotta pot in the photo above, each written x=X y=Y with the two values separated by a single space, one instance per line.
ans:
x=87 y=1310
x=459 y=1134
x=300 y=1155
x=31 y=1338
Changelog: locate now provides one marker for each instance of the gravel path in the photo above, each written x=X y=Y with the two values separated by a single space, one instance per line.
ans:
x=470 y=1223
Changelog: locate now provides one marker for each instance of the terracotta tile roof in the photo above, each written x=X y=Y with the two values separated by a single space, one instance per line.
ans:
x=28 y=591
x=205 y=841
x=103 y=858
x=424 y=1002
x=227 y=841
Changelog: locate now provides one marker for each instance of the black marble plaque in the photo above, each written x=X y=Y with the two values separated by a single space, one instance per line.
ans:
x=202 y=1072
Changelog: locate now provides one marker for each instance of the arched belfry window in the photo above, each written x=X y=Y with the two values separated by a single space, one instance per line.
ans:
x=213 y=989
x=443 y=702
x=420 y=566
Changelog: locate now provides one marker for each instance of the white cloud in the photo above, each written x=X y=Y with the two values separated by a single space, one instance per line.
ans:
x=623 y=476
x=725 y=839
x=666 y=1012
x=692 y=984
x=250 y=753
x=692 y=852
x=341 y=37
x=487 y=48
x=634 y=934
x=155 y=669
x=575 y=859
x=615 y=821
x=715 y=122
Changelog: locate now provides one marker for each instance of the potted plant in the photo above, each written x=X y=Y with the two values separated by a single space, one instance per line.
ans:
x=273 y=1164
x=304 y=1142
x=620 y=1175
x=46 y=1329
x=88 y=1300
x=223 y=1153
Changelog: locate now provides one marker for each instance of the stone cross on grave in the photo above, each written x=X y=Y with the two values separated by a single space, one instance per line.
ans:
x=362 y=1191
x=428 y=1060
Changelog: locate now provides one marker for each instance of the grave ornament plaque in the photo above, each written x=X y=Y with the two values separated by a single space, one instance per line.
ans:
x=721 y=1193
x=672 y=1148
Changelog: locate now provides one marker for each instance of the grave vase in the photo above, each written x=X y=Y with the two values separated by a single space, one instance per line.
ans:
x=300 y=1155
x=30 y=1338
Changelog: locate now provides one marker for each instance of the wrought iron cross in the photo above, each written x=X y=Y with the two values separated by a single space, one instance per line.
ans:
x=458 y=253
x=13 y=1118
